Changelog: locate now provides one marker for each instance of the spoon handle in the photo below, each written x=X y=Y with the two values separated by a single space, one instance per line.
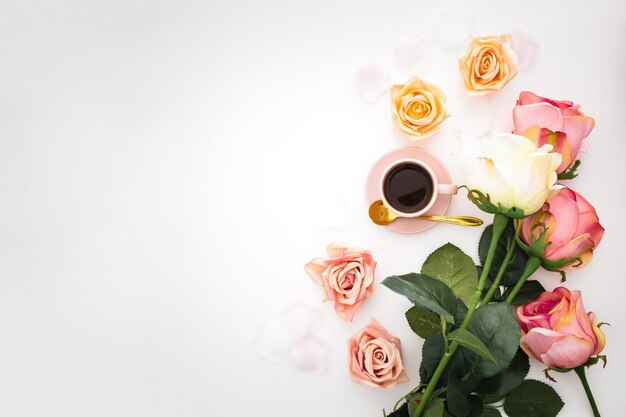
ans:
x=458 y=220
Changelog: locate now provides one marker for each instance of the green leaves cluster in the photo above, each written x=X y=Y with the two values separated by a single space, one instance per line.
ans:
x=487 y=371
x=531 y=289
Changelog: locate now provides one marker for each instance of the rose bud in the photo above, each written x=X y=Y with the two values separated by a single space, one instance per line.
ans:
x=418 y=108
x=559 y=123
x=488 y=65
x=374 y=357
x=557 y=331
x=563 y=233
x=347 y=277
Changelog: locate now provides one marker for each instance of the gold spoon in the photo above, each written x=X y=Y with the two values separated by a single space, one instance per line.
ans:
x=381 y=215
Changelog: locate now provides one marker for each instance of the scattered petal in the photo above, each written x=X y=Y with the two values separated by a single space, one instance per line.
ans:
x=272 y=341
x=450 y=27
x=301 y=320
x=371 y=82
x=526 y=47
x=310 y=355
x=413 y=55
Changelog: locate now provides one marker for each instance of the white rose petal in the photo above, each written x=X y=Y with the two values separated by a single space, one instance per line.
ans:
x=301 y=320
x=526 y=48
x=511 y=170
x=310 y=355
x=371 y=82
x=272 y=341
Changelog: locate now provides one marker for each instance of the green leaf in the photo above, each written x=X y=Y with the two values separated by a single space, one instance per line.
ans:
x=492 y=399
x=402 y=411
x=533 y=399
x=496 y=326
x=434 y=408
x=476 y=406
x=529 y=291
x=518 y=260
x=425 y=292
x=458 y=404
x=461 y=311
x=454 y=268
x=468 y=340
x=507 y=380
x=432 y=352
x=491 y=412
x=423 y=322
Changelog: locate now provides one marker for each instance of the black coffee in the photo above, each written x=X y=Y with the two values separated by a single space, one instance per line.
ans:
x=408 y=188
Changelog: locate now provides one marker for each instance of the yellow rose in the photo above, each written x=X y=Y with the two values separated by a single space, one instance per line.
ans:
x=489 y=64
x=418 y=108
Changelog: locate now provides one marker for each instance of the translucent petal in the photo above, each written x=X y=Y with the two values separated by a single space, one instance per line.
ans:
x=371 y=81
x=413 y=55
x=301 y=320
x=526 y=47
x=311 y=355
x=272 y=341
x=450 y=27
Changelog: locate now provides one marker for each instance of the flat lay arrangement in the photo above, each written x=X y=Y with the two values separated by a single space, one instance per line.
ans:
x=312 y=209
x=483 y=324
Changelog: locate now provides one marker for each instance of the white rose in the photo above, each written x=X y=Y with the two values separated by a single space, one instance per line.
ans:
x=511 y=170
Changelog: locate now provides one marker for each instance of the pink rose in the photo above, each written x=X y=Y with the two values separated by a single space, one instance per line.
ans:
x=374 y=357
x=546 y=117
x=347 y=277
x=557 y=331
x=572 y=227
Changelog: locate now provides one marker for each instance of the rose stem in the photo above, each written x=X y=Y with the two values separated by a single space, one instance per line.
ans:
x=580 y=371
x=501 y=271
x=532 y=264
x=499 y=224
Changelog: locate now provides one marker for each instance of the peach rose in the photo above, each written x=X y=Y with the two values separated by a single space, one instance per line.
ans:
x=374 y=357
x=557 y=331
x=418 y=108
x=488 y=65
x=347 y=277
x=572 y=229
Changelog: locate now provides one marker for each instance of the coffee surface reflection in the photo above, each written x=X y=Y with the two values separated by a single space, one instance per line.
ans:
x=408 y=188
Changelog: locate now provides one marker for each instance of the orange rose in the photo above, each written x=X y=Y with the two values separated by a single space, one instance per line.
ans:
x=489 y=64
x=418 y=108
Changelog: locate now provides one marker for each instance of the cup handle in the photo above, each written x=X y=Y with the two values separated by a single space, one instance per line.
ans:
x=447 y=189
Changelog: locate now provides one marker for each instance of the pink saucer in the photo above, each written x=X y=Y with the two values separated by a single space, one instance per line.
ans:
x=404 y=224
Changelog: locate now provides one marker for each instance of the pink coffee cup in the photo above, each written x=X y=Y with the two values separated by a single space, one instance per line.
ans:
x=409 y=187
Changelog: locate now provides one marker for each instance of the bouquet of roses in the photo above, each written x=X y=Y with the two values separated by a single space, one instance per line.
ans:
x=476 y=349
x=482 y=323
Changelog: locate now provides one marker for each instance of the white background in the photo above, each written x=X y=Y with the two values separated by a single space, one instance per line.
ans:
x=166 y=169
